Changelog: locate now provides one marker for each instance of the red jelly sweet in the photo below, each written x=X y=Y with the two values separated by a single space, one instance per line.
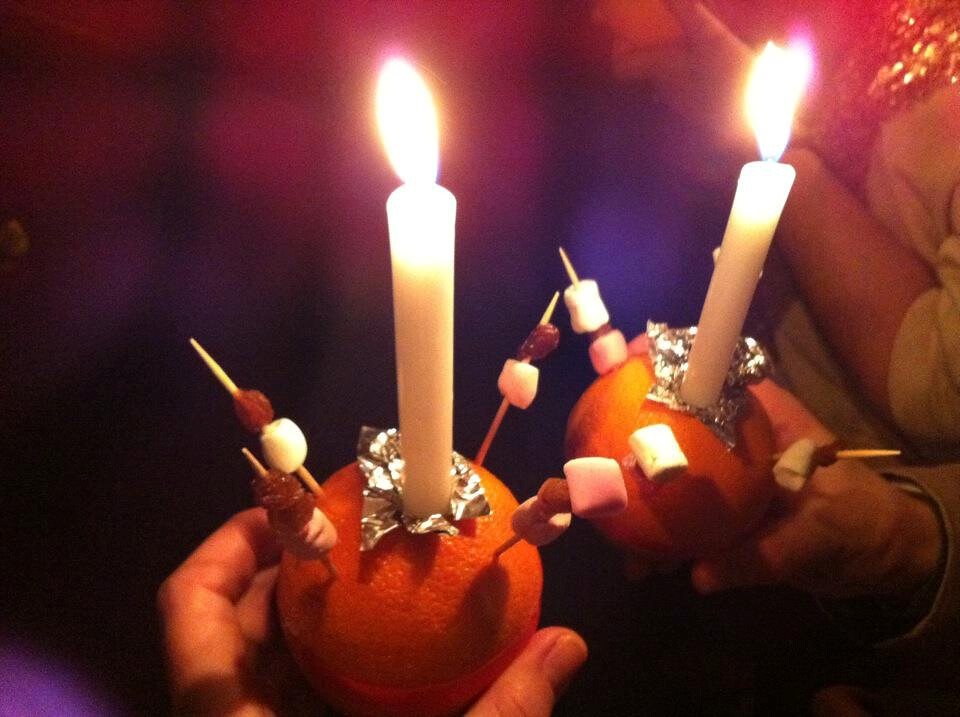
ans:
x=288 y=506
x=539 y=343
x=253 y=409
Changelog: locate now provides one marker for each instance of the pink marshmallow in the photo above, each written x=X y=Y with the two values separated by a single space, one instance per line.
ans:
x=596 y=487
x=608 y=352
x=537 y=525
x=518 y=382
x=639 y=345
x=317 y=537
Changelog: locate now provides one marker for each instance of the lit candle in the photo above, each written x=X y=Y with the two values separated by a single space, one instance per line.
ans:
x=776 y=85
x=420 y=216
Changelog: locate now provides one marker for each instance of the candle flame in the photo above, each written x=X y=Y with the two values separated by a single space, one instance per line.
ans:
x=408 y=122
x=774 y=90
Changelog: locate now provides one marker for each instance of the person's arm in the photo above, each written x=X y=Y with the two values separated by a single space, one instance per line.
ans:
x=941 y=486
x=855 y=278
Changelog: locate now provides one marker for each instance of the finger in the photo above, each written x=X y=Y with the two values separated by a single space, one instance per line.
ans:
x=227 y=561
x=253 y=608
x=531 y=685
x=841 y=700
x=789 y=418
x=202 y=635
x=703 y=27
x=753 y=562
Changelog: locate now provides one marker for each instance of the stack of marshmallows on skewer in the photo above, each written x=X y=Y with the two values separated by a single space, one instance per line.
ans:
x=302 y=528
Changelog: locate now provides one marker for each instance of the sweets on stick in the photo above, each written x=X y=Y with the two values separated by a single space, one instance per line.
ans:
x=518 y=379
x=541 y=519
x=300 y=525
x=593 y=488
x=802 y=457
x=589 y=315
x=284 y=445
x=536 y=523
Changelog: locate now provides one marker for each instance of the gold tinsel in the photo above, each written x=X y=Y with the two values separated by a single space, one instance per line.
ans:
x=910 y=49
x=921 y=52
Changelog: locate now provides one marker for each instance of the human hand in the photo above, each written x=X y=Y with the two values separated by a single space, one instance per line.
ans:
x=847 y=533
x=694 y=63
x=221 y=641
x=225 y=656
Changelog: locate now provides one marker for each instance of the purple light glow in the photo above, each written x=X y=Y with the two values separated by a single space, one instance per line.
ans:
x=34 y=683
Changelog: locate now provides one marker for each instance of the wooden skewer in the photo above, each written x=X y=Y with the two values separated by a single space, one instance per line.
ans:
x=491 y=432
x=571 y=272
x=868 y=453
x=311 y=482
x=215 y=368
x=259 y=468
x=548 y=314
x=825 y=454
x=505 y=404
x=506 y=545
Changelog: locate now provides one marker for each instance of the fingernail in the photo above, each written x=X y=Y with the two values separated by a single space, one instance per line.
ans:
x=563 y=659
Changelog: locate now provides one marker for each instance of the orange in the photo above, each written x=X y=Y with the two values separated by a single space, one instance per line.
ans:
x=720 y=497
x=420 y=624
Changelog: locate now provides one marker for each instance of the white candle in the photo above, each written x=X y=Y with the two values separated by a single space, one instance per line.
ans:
x=775 y=87
x=420 y=216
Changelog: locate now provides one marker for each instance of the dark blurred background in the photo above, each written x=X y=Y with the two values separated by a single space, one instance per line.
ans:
x=213 y=170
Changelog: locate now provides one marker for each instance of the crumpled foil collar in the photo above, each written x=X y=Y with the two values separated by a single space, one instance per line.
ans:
x=381 y=462
x=669 y=351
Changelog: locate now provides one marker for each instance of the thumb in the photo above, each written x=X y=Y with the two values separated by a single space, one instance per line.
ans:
x=531 y=685
x=744 y=565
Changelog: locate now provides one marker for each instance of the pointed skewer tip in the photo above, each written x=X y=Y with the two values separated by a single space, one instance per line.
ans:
x=571 y=272
x=548 y=314
x=215 y=368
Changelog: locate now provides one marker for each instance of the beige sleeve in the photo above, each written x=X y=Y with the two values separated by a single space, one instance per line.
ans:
x=942 y=622
x=924 y=376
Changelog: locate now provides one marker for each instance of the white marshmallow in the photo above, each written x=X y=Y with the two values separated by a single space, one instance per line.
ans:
x=795 y=465
x=537 y=525
x=658 y=453
x=284 y=445
x=518 y=382
x=587 y=312
x=317 y=537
